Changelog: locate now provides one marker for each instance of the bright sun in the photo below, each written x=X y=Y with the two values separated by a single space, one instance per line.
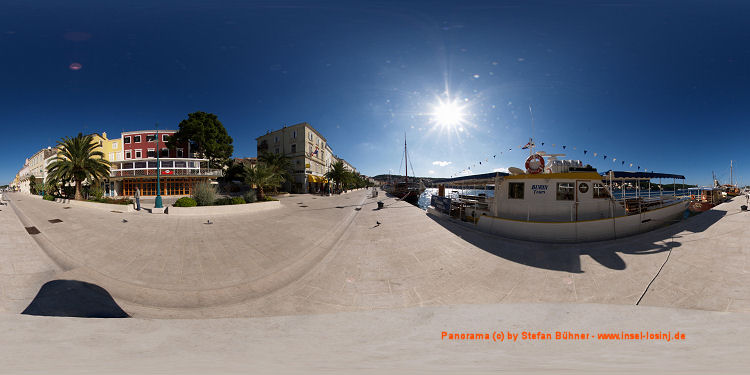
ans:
x=448 y=114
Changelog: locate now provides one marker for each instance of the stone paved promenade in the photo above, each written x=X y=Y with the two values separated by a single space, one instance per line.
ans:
x=332 y=290
x=328 y=254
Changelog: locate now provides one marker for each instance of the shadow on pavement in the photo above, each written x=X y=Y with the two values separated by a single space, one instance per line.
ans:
x=566 y=257
x=72 y=298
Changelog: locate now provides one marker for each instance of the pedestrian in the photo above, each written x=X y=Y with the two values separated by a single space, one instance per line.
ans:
x=137 y=199
x=747 y=198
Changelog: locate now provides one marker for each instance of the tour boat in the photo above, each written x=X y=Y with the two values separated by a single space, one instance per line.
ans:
x=703 y=198
x=562 y=201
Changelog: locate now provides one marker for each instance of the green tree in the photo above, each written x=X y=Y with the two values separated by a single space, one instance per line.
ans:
x=279 y=163
x=32 y=185
x=77 y=161
x=338 y=173
x=207 y=135
x=263 y=176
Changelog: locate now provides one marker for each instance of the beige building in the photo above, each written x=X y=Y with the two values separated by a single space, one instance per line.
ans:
x=34 y=166
x=308 y=151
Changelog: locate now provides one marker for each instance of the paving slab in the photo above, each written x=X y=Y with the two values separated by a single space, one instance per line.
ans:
x=384 y=341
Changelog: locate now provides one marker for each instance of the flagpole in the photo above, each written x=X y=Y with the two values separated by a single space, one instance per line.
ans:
x=157 y=201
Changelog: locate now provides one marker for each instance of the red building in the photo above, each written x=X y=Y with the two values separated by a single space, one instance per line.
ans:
x=180 y=171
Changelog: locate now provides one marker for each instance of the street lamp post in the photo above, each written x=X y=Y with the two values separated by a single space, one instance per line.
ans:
x=157 y=201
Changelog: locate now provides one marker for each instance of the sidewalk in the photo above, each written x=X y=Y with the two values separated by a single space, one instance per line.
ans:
x=24 y=267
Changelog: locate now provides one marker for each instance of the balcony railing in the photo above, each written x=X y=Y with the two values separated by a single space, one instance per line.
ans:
x=169 y=167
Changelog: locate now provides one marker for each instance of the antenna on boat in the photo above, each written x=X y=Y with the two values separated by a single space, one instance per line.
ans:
x=531 y=140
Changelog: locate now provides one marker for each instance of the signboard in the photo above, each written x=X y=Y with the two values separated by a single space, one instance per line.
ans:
x=307 y=165
x=442 y=204
x=166 y=171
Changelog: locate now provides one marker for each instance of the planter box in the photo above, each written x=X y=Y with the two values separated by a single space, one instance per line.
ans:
x=96 y=205
x=222 y=210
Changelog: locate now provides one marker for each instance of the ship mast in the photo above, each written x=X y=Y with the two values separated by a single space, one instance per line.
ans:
x=406 y=161
x=731 y=179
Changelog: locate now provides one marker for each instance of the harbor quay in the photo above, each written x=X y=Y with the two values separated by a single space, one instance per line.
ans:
x=326 y=274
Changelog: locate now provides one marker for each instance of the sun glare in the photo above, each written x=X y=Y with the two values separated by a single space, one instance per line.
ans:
x=448 y=114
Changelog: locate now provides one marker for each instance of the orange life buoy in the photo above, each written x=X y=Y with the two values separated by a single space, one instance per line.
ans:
x=535 y=164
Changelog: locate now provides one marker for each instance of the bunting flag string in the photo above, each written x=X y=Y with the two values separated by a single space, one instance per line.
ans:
x=531 y=144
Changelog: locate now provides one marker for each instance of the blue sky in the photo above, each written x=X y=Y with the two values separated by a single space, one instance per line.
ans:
x=662 y=85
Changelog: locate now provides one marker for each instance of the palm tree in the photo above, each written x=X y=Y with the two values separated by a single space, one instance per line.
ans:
x=77 y=161
x=262 y=175
x=279 y=163
x=337 y=173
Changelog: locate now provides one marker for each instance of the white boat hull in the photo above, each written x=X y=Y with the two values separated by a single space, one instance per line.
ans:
x=581 y=231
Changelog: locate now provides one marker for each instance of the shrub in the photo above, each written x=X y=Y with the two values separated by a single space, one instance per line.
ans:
x=251 y=196
x=238 y=200
x=185 y=202
x=204 y=194
x=49 y=197
x=96 y=192
x=268 y=199
x=223 y=202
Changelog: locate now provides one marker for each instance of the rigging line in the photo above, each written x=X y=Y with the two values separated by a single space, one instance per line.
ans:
x=657 y=273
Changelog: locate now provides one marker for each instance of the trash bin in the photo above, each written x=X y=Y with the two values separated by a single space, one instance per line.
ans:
x=743 y=207
x=380 y=205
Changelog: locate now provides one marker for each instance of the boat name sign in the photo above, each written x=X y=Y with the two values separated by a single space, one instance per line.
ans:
x=539 y=189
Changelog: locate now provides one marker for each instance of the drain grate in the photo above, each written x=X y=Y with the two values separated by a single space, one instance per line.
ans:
x=32 y=230
x=303 y=206
x=65 y=208
x=55 y=221
x=117 y=212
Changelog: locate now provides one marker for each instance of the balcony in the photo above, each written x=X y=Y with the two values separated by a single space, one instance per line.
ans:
x=184 y=167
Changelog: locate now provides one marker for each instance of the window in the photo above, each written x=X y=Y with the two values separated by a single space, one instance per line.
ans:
x=165 y=153
x=309 y=136
x=600 y=191
x=515 y=190
x=136 y=139
x=294 y=134
x=322 y=154
x=114 y=145
x=294 y=147
x=164 y=137
x=151 y=138
x=151 y=153
x=276 y=150
x=179 y=152
x=111 y=156
x=137 y=154
x=127 y=154
x=565 y=191
x=126 y=140
x=276 y=139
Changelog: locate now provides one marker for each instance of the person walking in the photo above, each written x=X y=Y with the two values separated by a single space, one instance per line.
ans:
x=137 y=199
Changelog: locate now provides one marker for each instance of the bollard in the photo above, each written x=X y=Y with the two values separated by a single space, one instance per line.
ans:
x=380 y=205
x=743 y=207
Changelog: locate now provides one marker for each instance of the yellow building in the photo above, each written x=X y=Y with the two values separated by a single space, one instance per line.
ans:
x=307 y=152
x=112 y=148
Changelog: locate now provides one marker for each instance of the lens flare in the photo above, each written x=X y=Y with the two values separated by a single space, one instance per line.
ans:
x=448 y=114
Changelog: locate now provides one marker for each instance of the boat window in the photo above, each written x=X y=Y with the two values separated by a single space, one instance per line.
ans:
x=565 y=191
x=600 y=191
x=515 y=190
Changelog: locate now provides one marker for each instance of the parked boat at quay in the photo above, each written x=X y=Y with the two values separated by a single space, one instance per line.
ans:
x=561 y=201
x=704 y=198
x=406 y=190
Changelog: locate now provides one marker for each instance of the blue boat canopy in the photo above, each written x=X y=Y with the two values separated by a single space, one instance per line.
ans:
x=623 y=174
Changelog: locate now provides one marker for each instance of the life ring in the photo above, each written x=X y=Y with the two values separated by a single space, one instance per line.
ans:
x=535 y=164
x=692 y=197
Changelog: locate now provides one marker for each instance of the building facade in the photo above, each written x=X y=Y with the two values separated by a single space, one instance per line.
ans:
x=138 y=167
x=34 y=166
x=309 y=154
